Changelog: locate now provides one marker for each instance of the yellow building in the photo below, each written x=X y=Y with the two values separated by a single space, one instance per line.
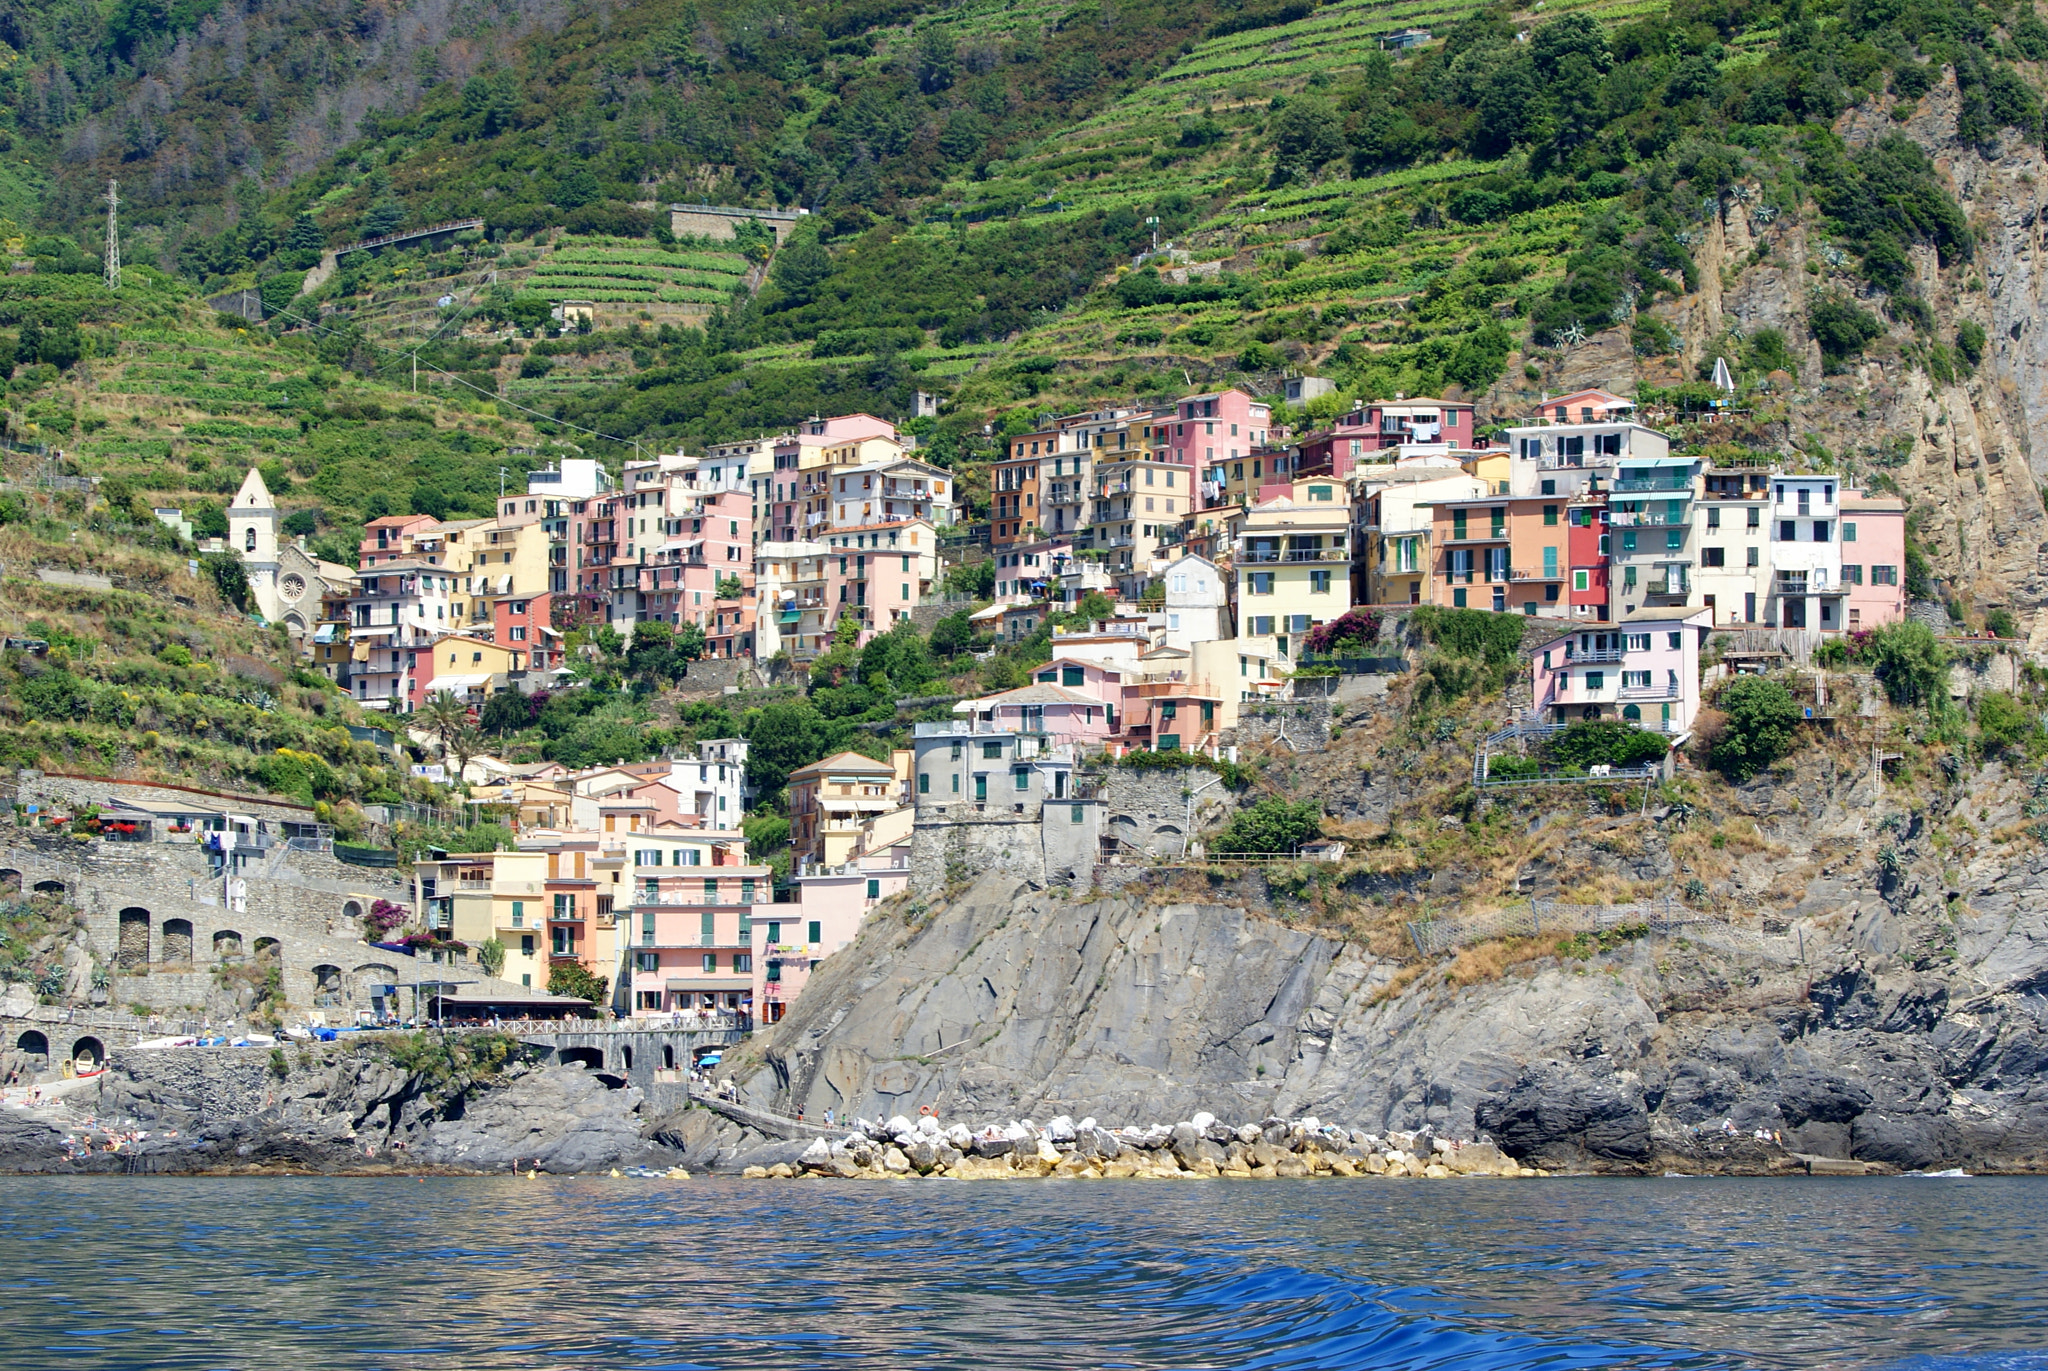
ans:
x=465 y=667
x=1293 y=562
x=477 y=896
x=834 y=805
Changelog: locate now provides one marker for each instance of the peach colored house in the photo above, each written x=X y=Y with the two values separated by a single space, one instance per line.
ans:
x=1873 y=559
x=1644 y=670
x=791 y=939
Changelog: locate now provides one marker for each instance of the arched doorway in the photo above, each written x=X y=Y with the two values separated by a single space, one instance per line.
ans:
x=10 y=881
x=627 y=1054
x=88 y=1055
x=49 y=887
x=668 y=1057
x=269 y=952
x=134 y=953
x=326 y=986
x=227 y=946
x=589 y=1058
x=376 y=987
x=34 y=1045
x=177 y=947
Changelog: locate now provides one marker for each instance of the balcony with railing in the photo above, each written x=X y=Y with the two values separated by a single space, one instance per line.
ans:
x=1472 y=533
x=1593 y=656
x=1651 y=518
x=1675 y=483
x=1669 y=587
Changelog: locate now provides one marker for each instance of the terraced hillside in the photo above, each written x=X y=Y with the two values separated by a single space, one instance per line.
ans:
x=630 y=271
x=170 y=404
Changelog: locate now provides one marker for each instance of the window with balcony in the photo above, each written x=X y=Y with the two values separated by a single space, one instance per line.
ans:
x=1635 y=680
x=519 y=913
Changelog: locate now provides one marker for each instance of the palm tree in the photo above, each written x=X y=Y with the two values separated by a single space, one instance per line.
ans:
x=445 y=717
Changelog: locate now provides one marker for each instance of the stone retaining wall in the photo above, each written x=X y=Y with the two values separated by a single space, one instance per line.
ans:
x=1301 y=725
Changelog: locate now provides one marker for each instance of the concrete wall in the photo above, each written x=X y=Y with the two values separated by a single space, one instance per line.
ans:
x=723 y=221
x=1151 y=814
x=963 y=845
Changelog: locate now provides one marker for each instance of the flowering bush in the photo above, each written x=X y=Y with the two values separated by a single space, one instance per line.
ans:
x=383 y=917
x=1351 y=631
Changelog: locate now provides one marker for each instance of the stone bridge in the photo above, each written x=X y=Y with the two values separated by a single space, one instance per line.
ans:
x=648 y=1058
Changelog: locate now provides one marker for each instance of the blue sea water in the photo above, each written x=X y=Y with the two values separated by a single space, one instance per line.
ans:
x=469 y=1274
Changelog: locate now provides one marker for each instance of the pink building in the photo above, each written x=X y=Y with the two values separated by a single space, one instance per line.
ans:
x=879 y=572
x=1873 y=559
x=1644 y=670
x=691 y=932
x=707 y=540
x=1216 y=428
x=1060 y=714
x=391 y=538
x=791 y=939
x=1106 y=681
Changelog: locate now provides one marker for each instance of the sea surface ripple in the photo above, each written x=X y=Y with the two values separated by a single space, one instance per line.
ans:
x=300 y=1273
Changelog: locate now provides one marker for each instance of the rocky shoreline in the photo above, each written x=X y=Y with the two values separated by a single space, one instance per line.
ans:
x=1199 y=1147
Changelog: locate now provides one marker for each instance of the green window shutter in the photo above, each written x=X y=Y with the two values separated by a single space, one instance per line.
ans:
x=818 y=929
x=709 y=926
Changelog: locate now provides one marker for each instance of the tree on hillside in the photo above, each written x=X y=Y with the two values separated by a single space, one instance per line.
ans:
x=1272 y=827
x=445 y=717
x=1306 y=134
x=507 y=712
x=1606 y=742
x=952 y=635
x=1912 y=663
x=228 y=577
x=1762 y=722
x=782 y=737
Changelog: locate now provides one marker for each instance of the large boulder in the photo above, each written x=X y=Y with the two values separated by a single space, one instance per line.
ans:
x=1556 y=1114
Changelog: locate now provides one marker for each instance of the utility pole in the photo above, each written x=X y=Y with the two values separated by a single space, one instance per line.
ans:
x=113 y=240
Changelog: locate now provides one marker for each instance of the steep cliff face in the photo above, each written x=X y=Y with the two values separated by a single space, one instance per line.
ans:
x=1907 y=1027
x=1971 y=454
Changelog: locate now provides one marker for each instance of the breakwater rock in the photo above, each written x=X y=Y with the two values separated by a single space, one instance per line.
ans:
x=1199 y=1147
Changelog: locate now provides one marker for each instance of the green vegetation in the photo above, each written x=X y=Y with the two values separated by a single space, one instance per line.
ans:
x=569 y=978
x=1762 y=719
x=1598 y=742
x=1272 y=827
x=1912 y=664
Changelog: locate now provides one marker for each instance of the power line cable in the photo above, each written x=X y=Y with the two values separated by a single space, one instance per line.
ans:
x=319 y=327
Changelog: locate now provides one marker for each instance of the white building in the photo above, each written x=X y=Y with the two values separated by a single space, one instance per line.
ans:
x=1197 y=602
x=1806 y=590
